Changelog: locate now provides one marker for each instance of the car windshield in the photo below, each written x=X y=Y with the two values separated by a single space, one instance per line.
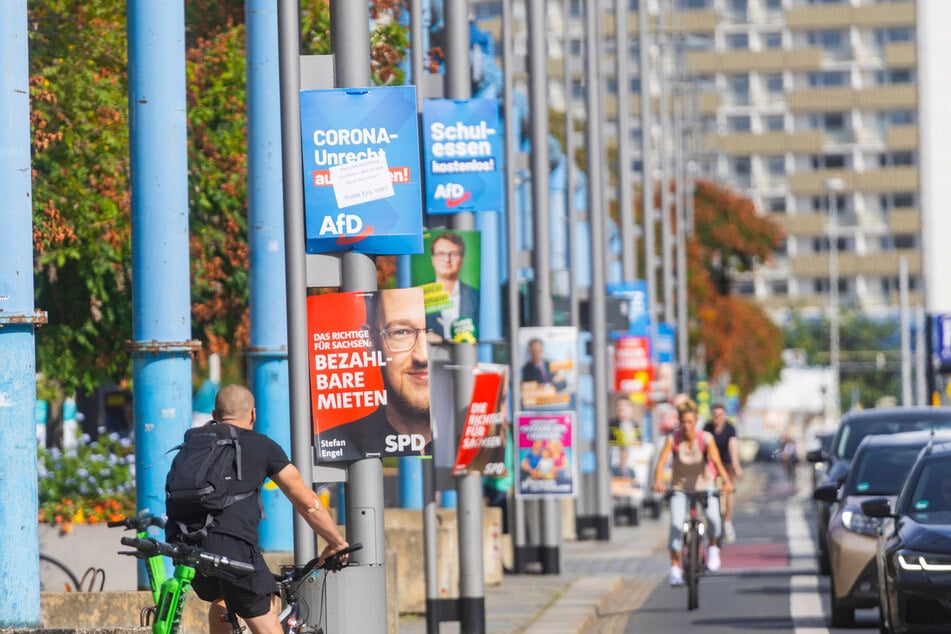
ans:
x=930 y=502
x=852 y=432
x=880 y=470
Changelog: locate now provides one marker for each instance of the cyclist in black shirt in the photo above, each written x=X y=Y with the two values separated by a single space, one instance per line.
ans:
x=234 y=532
x=724 y=434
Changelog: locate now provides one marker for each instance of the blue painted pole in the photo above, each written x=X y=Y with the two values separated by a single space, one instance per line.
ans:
x=19 y=534
x=161 y=315
x=267 y=298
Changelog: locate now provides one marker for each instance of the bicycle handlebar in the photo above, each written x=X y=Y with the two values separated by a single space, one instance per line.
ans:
x=332 y=563
x=696 y=495
x=139 y=522
x=182 y=554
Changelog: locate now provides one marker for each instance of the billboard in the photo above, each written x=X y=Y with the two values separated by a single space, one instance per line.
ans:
x=549 y=375
x=463 y=155
x=362 y=184
x=369 y=372
x=546 y=454
x=448 y=270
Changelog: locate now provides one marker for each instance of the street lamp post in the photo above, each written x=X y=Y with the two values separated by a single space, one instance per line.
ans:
x=833 y=186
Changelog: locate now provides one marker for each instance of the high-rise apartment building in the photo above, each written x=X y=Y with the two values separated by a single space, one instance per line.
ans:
x=808 y=107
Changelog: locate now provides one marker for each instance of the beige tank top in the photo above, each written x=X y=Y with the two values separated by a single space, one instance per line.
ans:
x=690 y=471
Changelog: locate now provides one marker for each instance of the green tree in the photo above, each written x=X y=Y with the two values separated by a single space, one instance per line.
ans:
x=870 y=358
x=79 y=118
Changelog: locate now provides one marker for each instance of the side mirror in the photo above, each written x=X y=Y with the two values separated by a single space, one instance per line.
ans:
x=877 y=507
x=817 y=455
x=826 y=492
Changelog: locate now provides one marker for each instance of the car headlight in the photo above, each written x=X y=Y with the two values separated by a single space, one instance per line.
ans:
x=928 y=563
x=854 y=520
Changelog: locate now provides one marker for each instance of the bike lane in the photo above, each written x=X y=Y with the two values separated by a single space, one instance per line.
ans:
x=752 y=589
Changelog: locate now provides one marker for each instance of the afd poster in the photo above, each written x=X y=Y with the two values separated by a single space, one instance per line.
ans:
x=546 y=454
x=463 y=155
x=448 y=270
x=362 y=184
x=549 y=374
x=369 y=375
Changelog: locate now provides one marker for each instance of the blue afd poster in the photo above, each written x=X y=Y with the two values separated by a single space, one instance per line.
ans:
x=463 y=155
x=361 y=170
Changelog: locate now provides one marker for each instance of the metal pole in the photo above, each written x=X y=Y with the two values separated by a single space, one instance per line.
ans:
x=302 y=435
x=458 y=85
x=833 y=186
x=598 y=508
x=680 y=227
x=350 y=42
x=550 y=515
x=665 y=155
x=267 y=352
x=647 y=176
x=19 y=533
x=921 y=357
x=625 y=194
x=905 y=335
x=518 y=525
x=161 y=321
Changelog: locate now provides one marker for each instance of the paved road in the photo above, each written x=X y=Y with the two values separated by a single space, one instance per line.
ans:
x=768 y=581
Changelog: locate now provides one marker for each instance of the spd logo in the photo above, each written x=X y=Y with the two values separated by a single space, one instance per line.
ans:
x=453 y=193
x=348 y=228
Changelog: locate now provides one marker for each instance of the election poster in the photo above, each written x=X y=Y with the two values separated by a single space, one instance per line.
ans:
x=546 y=454
x=549 y=375
x=448 y=271
x=481 y=447
x=369 y=374
x=632 y=366
x=463 y=155
x=362 y=183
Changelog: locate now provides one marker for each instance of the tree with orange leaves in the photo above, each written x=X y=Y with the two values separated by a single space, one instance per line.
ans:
x=738 y=337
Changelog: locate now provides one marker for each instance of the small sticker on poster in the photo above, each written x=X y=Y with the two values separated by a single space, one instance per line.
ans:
x=361 y=181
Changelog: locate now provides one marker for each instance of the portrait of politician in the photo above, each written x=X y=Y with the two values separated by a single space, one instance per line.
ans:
x=448 y=250
x=538 y=369
x=396 y=326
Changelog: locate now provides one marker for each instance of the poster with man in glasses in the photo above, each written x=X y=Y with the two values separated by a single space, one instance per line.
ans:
x=369 y=370
x=448 y=272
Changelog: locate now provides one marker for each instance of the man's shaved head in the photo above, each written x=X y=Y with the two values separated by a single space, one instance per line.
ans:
x=233 y=402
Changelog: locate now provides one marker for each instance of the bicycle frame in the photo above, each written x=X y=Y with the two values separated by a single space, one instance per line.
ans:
x=693 y=554
x=171 y=601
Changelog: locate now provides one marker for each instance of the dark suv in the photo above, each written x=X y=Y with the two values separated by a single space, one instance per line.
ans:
x=913 y=557
x=853 y=427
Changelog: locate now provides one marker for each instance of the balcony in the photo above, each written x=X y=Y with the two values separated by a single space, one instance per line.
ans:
x=843 y=16
x=904 y=221
x=902 y=137
x=879 y=264
x=900 y=54
x=844 y=98
x=767 y=143
x=772 y=60
x=805 y=225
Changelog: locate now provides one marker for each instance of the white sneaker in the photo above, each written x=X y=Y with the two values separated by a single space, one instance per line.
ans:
x=729 y=535
x=713 y=558
x=675 y=576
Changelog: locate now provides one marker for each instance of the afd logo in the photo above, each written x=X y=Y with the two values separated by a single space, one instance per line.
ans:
x=348 y=228
x=453 y=193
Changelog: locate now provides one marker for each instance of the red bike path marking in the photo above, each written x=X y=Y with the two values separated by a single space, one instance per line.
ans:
x=754 y=556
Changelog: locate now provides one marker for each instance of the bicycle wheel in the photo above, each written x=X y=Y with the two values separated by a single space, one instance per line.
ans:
x=692 y=567
x=55 y=576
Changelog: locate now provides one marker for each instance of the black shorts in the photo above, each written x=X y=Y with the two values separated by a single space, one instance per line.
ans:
x=248 y=596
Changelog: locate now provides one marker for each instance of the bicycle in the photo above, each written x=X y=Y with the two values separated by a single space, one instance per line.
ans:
x=693 y=555
x=166 y=614
x=296 y=613
x=155 y=565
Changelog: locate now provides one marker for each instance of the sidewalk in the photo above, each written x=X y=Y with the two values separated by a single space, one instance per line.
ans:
x=600 y=584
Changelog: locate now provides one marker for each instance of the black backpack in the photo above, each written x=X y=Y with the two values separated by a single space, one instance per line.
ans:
x=204 y=478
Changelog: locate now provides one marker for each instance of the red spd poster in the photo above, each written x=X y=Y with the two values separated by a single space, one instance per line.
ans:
x=632 y=365
x=482 y=434
x=369 y=374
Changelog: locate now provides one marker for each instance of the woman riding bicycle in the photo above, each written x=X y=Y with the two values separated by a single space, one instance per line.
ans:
x=692 y=454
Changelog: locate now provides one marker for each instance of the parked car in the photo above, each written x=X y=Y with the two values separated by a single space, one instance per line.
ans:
x=853 y=427
x=878 y=468
x=913 y=558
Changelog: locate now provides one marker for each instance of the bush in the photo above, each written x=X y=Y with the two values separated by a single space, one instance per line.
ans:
x=91 y=483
